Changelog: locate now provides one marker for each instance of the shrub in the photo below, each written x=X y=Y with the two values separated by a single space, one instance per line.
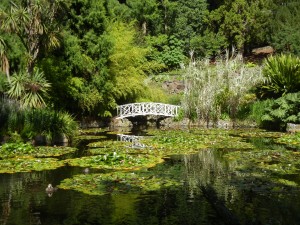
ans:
x=282 y=111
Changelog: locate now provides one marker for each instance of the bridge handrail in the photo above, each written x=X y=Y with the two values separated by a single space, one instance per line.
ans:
x=147 y=108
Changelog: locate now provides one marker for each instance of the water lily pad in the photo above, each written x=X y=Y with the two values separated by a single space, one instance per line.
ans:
x=90 y=137
x=53 y=151
x=12 y=150
x=115 y=161
x=125 y=182
x=27 y=164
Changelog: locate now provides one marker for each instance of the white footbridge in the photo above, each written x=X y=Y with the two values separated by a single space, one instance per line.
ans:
x=147 y=108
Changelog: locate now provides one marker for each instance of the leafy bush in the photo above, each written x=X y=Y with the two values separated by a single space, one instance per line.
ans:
x=282 y=111
x=283 y=75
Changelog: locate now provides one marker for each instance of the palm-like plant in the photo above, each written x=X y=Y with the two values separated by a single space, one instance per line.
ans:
x=283 y=75
x=29 y=90
x=34 y=25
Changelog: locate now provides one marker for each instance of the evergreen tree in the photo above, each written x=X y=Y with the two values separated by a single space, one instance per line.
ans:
x=285 y=27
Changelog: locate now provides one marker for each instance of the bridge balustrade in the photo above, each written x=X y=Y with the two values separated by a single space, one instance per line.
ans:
x=147 y=108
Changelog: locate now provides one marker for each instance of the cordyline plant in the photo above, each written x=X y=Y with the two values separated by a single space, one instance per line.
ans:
x=212 y=87
x=29 y=90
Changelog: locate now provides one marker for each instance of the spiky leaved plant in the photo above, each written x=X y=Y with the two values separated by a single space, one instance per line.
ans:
x=29 y=90
x=283 y=75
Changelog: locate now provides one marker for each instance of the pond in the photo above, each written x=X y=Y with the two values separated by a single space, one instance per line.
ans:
x=172 y=177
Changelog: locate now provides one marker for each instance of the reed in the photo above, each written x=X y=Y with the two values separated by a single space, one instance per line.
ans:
x=214 y=88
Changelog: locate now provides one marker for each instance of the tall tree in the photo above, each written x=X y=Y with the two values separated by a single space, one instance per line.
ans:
x=285 y=26
x=242 y=22
x=190 y=20
x=33 y=22
x=127 y=63
x=78 y=68
x=146 y=13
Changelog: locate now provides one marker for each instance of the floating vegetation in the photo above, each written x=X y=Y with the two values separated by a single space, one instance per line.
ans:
x=290 y=139
x=266 y=162
x=115 y=161
x=107 y=144
x=91 y=131
x=15 y=150
x=124 y=150
x=53 y=151
x=251 y=133
x=124 y=182
x=10 y=150
x=90 y=137
x=28 y=164
x=187 y=142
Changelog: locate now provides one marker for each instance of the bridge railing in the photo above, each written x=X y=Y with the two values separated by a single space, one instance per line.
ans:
x=147 y=108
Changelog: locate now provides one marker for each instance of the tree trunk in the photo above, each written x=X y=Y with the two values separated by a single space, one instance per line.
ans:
x=144 y=27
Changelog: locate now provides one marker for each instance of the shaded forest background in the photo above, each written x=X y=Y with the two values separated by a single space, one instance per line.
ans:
x=95 y=55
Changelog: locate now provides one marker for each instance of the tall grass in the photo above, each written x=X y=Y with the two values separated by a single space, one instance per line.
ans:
x=258 y=109
x=214 y=88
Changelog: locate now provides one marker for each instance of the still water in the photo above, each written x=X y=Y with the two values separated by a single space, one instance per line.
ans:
x=208 y=195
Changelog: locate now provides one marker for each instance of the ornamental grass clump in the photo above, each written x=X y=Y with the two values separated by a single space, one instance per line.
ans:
x=214 y=88
x=49 y=123
x=29 y=122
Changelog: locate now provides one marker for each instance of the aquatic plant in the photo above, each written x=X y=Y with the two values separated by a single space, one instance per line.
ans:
x=115 y=161
x=290 y=139
x=28 y=164
x=159 y=177
x=15 y=150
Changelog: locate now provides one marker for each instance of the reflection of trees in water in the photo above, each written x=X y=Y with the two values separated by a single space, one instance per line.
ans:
x=21 y=191
x=208 y=168
x=239 y=194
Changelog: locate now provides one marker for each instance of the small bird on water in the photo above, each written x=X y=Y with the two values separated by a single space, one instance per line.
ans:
x=50 y=189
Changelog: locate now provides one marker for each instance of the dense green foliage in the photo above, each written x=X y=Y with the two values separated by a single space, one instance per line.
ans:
x=282 y=111
x=95 y=55
x=285 y=27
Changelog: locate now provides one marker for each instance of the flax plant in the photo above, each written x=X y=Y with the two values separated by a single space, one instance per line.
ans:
x=212 y=88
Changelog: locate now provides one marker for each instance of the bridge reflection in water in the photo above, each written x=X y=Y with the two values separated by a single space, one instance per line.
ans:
x=134 y=140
